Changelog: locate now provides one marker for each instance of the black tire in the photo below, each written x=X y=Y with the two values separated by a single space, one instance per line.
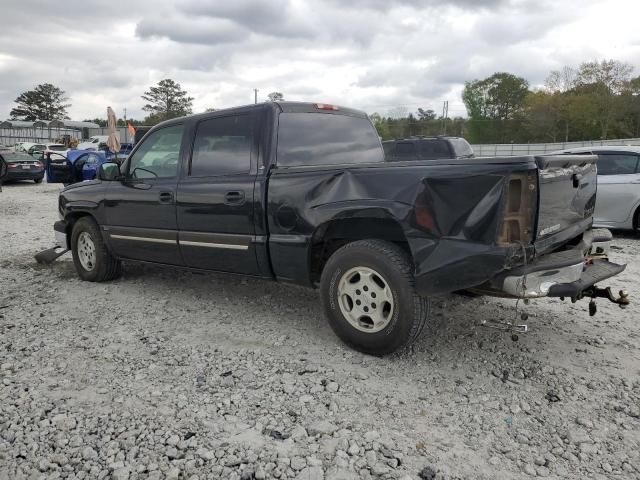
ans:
x=38 y=180
x=106 y=266
x=409 y=314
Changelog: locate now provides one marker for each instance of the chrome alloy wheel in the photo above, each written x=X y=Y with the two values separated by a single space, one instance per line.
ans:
x=365 y=299
x=86 y=251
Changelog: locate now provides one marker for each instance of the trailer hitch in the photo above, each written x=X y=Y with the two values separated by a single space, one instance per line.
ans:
x=595 y=292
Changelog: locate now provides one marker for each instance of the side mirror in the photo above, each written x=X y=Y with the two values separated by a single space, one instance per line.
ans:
x=109 y=171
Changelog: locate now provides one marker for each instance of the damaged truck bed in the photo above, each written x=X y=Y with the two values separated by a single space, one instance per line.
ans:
x=301 y=193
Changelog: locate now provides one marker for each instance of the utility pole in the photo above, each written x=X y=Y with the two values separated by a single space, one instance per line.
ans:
x=445 y=115
x=255 y=93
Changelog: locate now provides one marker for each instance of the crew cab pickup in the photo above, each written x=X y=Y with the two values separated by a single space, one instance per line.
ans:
x=301 y=193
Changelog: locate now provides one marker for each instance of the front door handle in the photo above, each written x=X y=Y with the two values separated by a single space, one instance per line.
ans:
x=234 y=197
x=166 y=197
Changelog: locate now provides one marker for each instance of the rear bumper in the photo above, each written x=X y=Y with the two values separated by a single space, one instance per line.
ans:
x=32 y=174
x=561 y=274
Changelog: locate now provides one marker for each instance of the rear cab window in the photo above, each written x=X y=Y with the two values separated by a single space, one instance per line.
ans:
x=326 y=139
x=405 y=151
x=434 y=149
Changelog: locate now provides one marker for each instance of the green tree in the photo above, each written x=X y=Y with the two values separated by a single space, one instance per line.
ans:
x=275 y=97
x=500 y=96
x=426 y=114
x=605 y=82
x=102 y=122
x=166 y=100
x=495 y=106
x=44 y=102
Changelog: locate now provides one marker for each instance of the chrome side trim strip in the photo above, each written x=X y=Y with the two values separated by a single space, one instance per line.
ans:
x=214 y=245
x=142 y=239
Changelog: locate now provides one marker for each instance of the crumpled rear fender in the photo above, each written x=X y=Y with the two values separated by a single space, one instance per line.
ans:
x=449 y=214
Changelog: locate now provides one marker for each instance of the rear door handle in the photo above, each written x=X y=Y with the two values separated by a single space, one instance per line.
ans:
x=234 y=197
x=166 y=197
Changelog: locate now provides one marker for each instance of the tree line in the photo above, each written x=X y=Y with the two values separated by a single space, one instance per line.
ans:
x=165 y=100
x=595 y=100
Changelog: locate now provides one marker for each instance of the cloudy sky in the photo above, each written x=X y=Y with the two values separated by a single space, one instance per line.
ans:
x=378 y=55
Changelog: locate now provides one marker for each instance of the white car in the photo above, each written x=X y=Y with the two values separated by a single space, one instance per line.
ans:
x=93 y=143
x=618 y=197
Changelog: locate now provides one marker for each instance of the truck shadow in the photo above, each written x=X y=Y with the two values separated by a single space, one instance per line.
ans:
x=208 y=307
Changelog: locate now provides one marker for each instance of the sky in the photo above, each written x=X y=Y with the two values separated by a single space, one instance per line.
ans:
x=381 y=56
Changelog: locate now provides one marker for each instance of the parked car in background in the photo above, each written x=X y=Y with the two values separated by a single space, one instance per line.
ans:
x=618 y=200
x=76 y=166
x=301 y=193
x=55 y=147
x=93 y=143
x=21 y=166
x=121 y=155
x=33 y=148
x=3 y=170
x=426 y=148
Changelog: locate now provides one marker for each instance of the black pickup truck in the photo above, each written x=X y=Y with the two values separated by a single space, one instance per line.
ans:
x=300 y=193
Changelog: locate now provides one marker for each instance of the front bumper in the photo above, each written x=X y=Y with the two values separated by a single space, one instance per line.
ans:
x=60 y=232
x=566 y=273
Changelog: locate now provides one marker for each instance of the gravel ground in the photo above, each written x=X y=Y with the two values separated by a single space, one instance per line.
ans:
x=179 y=375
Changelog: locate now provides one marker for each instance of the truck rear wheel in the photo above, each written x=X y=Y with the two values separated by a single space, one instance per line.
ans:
x=93 y=262
x=367 y=289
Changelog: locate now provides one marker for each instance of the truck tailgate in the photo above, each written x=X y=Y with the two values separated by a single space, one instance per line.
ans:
x=567 y=194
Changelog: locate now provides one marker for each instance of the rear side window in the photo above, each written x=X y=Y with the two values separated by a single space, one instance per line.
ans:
x=434 y=149
x=326 y=139
x=617 y=164
x=222 y=146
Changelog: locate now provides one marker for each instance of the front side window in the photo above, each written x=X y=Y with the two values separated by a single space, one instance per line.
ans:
x=326 y=139
x=617 y=164
x=158 y=155
x=222 y=146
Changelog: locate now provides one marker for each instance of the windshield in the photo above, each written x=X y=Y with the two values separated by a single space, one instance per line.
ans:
x=57 y=148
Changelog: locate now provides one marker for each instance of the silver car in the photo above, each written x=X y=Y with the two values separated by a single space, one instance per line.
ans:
x=618 y=197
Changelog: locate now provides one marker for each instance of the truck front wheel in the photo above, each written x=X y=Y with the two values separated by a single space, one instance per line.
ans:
x=367 y=289
x=93 y=262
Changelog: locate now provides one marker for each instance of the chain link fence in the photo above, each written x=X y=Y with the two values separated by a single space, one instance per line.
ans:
x=517 y=149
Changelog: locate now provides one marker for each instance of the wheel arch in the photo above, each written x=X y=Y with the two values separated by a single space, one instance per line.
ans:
x=636 y=217
x=72 y=218
x=337 y=232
